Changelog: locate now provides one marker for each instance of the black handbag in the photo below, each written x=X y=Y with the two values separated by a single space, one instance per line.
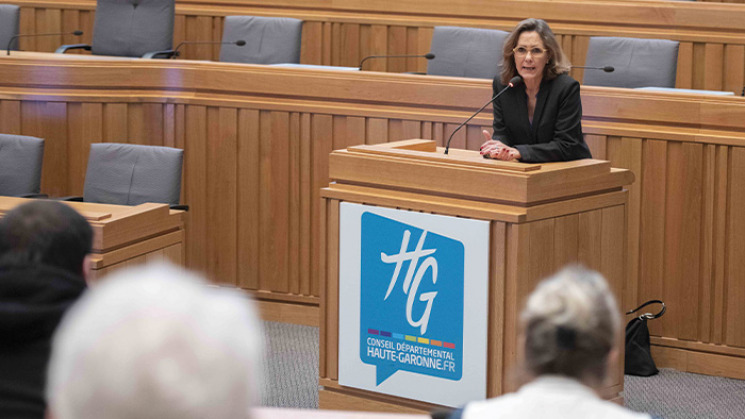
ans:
x=638 y=359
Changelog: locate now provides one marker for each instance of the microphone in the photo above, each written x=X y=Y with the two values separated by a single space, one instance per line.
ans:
x=14 y=37
x=607 y=68
x=176 y=53
x=428 y=56
x=513 y=82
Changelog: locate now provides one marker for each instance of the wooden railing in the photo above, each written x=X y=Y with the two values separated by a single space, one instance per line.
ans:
x=340 y=32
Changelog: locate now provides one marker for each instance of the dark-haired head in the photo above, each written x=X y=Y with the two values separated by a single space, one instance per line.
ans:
x=557 y=62
x=45 y=233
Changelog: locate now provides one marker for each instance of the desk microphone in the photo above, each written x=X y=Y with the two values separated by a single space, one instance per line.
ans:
x=513 y=82
x=239 y=43
x=428 y=56
x=14 y=37
x=607 y=68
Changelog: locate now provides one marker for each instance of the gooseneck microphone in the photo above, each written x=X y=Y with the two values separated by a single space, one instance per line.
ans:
x=176 y=52
x=428 y=56
x=513 y=82
x=607 y=68
x=14 y=37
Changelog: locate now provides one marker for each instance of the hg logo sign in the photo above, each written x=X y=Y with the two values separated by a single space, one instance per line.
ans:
x=411 y=303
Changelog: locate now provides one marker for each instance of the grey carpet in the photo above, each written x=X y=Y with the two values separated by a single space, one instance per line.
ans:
x=678 y=395
x=291 y=380
x=291 y=366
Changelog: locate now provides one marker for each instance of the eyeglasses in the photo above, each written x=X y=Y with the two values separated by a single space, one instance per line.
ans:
x=535 y=52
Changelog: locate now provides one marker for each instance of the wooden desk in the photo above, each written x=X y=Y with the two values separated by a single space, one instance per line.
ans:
x=342 y=32
x=257 y=142
x=124 y=235
x=538 y=218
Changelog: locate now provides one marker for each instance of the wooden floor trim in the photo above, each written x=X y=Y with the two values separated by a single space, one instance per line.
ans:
x=707 y=363
x=302 y=314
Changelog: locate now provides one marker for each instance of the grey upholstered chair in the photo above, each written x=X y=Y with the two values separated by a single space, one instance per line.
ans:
x=128 y=174
x=466 y=52
x=9 y=18
x=269 y=40
x=131 y=28
x=637 y=62
x=20 y=165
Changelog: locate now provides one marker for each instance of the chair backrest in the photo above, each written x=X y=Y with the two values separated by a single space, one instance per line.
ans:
x=269 y=40
x=466 y=52
x=132 y=28
x=128 y=174
x=637 y=62
x=9 y=18
x=20 y=164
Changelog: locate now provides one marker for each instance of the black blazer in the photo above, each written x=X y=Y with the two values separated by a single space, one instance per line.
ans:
x=556 y=132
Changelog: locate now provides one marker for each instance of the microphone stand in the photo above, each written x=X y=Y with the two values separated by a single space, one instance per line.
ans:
x=176 y=52
x=428 y=56
x=14 y=37
x=513 y=82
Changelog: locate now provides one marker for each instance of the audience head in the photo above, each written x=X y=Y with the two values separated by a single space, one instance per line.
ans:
x=556 y=61
x=156 y=342
x=45 y=233
x=570 y=325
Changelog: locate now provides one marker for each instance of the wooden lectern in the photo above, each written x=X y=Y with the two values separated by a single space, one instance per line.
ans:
x=126 y=235
x=541 y=217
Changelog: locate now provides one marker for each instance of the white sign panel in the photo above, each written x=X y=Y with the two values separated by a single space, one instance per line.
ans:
x=413 y=297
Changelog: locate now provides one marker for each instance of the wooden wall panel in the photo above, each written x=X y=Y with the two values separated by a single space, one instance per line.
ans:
x=222 y=181
x=652 y=222
x=719 y=241
x=687 y=250
x=195 y=187
x=734 y=287
x=249 y=194
x=274 y=214
x=256 y=157
x=682 y=240
x=495 y=350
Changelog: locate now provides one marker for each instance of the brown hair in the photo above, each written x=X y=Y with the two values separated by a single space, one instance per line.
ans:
x=557 y=62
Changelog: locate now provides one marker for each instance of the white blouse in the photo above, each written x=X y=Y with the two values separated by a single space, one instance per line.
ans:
x=550 y=397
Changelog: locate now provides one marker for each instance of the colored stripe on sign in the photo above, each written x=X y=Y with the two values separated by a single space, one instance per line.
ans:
x=410 y=338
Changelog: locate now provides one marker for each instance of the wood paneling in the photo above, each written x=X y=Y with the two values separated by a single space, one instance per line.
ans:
x=341 y=33
x=257 y=152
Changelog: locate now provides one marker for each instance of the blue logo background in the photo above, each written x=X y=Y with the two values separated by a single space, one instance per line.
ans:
x=384 y=328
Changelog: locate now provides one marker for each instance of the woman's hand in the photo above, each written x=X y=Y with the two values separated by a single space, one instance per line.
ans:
x=498 y=150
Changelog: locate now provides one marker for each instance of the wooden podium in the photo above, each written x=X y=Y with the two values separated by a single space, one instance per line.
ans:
x=126 y=235
x=541 y=217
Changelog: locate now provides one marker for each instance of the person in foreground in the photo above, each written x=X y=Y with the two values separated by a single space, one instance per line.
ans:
x=44 y=252
x=570 y=325
x=538 y=120
x=156 y=342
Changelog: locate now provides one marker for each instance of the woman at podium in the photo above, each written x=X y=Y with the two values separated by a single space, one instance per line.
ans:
x=538 y=120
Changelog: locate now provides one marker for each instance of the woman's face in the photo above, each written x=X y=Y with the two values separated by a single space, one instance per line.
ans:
x=530 y=57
